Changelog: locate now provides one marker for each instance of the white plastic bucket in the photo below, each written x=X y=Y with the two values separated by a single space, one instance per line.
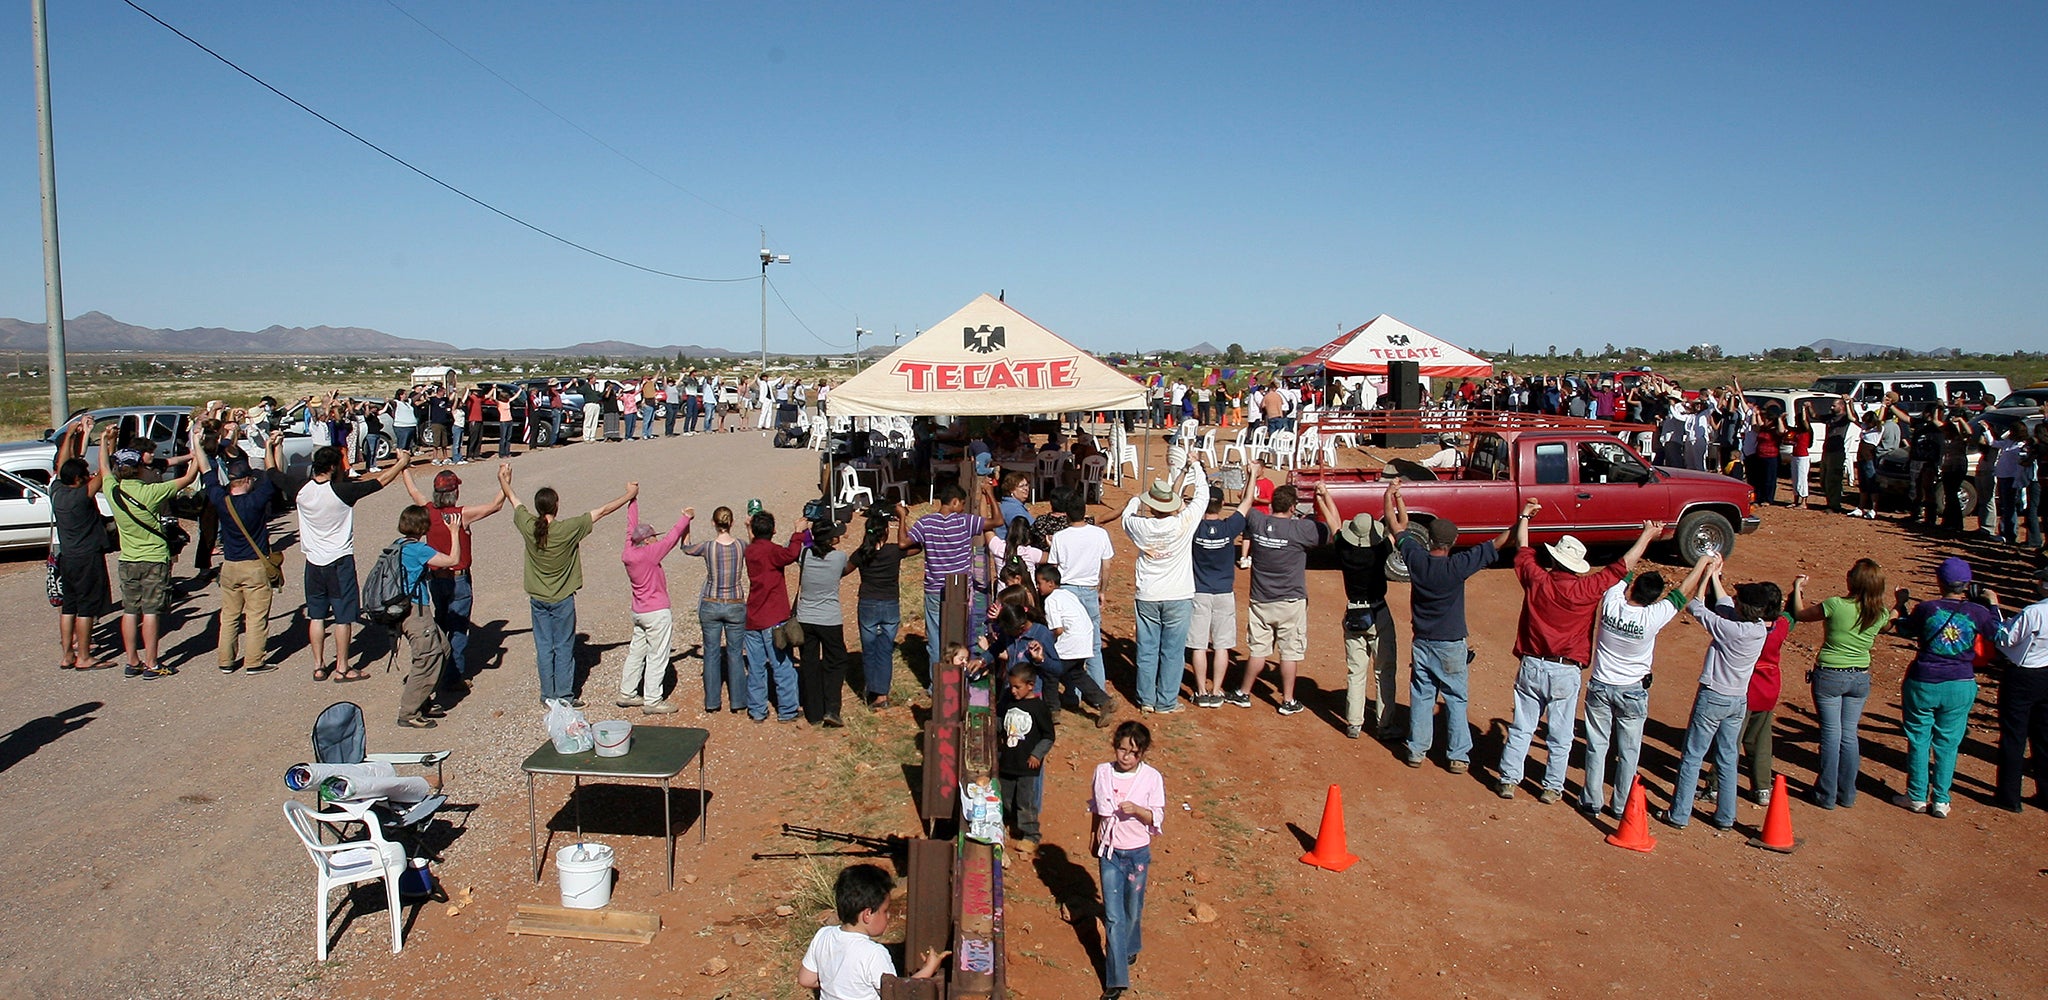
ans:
x=586 y=871
x=614 y=737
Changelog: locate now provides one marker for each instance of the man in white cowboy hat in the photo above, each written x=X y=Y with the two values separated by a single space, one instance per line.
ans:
x=1554 y=639
x=1369 y=656
x=1161 y=523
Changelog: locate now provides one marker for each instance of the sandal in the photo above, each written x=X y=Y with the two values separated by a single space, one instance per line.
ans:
x=322 y=673
x=351 y=676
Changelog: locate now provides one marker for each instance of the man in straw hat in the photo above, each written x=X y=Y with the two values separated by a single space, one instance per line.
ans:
x=1561 y=598
x=1362 y=550
x=1161 y=523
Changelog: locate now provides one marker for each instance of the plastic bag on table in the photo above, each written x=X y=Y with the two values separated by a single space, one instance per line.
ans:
x=569 y=730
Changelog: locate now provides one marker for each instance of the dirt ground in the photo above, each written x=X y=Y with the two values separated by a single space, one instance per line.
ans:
x=148 y=858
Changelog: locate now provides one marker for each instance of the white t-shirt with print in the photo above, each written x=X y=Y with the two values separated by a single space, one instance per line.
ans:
x=849 y=965
x=1626 y=637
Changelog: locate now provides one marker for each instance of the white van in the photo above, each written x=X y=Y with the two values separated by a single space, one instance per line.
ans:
x=1916 y=390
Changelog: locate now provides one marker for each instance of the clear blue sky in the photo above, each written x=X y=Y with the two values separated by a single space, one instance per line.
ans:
x=1134 y=175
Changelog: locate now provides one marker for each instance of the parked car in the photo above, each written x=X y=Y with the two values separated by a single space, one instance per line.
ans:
x=169 y=426
x=1592 y=485
x=26 y=471
x=2034 y=397
x=1916 y=389
x=299 y=443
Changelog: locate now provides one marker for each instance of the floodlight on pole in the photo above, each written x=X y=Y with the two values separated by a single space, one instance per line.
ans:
x=767 y=257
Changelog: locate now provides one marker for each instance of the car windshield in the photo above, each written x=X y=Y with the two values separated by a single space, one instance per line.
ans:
x=2025 y=397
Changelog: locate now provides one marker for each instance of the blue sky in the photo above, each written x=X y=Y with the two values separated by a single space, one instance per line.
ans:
x=1133 y=175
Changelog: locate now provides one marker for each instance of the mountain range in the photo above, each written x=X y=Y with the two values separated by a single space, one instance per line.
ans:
x=97 y=331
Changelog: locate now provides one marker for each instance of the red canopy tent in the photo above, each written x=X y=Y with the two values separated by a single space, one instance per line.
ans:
x=1367 y=350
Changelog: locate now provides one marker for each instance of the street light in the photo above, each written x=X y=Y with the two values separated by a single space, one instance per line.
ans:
x=767 y=257
x=858 y=333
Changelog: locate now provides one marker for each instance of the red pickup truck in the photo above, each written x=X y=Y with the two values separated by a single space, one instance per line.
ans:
x=1591 y=484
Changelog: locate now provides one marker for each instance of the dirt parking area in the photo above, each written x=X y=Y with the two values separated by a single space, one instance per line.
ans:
x=148 y=857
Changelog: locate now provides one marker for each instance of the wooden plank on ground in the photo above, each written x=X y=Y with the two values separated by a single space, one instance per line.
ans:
x=589 y=925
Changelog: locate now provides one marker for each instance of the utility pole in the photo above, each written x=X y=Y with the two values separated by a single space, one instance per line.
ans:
x=767 y=257
x=53 y=280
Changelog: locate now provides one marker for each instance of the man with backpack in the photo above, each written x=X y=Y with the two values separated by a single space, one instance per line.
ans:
x=327 y=529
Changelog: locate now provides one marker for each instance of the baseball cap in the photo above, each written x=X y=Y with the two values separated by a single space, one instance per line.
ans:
x=238 y=468
x=1952 y=571
x=446 y=480
x=128 y=457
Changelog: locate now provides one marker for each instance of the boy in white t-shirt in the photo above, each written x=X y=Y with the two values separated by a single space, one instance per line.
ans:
x=846 y=962
x=1074 y=640
x=1618 y=695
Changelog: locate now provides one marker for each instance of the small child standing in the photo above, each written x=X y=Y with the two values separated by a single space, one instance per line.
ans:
x=423 y=635
x=1027 y=740
x=1074 y=633
x=1127 y=804
x=646 y=665
x=846 y=962
x=1737 y=628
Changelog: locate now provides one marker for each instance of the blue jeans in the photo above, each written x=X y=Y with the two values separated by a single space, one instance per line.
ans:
x=725 y=666
x=2011 y=497
x=402 y=436
x=1091 y=598
x=1838 y=697
x=1716 y=724
x=1550 y=690
x=1162 y=643
x=632 y=419
x=554 y=643
x=1438 y=668
x=931 y=636
x=455 y=442
x=1614 y=717
x=452 y=602
x=647 y=421
x=706 y=409
x=1123 y=875
x=763 y=657
x=879 y=621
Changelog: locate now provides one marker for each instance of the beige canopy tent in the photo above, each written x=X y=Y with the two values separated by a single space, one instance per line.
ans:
x=985 y=360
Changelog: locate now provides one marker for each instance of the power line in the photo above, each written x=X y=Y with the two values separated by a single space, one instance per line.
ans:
x=395 y=158
x=564 y=119
x=800 y=320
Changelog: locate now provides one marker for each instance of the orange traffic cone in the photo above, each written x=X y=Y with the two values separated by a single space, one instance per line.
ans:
x=1330 y=852
x=1777 y=832
x=1634 y=832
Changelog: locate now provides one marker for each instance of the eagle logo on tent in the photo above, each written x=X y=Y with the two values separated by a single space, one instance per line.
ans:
x=1398 y=339
x=985 y=339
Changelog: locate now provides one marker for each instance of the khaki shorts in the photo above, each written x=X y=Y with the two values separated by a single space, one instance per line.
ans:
x=1281 y=624
x=1214 y=622
x=145 y=587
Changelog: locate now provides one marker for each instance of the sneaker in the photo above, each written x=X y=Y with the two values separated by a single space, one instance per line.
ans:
x=132 y=670
x=152 y=673
x=834 y=722
x=577 y=703
x=1503 y=789
x=661 y=707
x=1411 y=760
x=1939 y=810
x=418 y=722
x=1549 y=795
x=1173 y=709
x=1353 y=732
x=1458 y=766
x=1909 y=805
x=229 y=668
x=629 y=701
x=1290 y=707
x=1763 y=797
x=1238 y=699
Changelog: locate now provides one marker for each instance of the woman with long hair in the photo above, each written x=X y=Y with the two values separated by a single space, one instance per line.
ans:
x=554 y=573
x=722 y=614
x=879 y=559
x=822 y=661
x=1841 y=674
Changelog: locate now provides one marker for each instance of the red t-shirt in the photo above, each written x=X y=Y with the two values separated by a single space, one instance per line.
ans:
x=1765 y=682
x=1766 y=443
x=767 y=591
x=1558 y=608
x=437 y=538
x=1802 y=441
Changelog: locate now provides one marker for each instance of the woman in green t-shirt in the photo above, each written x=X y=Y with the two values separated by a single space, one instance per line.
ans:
x=554 y=573
x=1841 y=675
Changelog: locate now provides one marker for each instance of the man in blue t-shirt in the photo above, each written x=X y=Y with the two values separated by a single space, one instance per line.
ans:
x=1436 y=583
x=1214 y=622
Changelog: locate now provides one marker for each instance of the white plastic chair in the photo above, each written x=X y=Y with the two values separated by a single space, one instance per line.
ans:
x=892 y=481
x=1305 y=447
x=1052 y=465
x=1241 y=448
x=1279 y=450
x=1206 y=447
x=1187 y=431
x=850 y=487
x=348 y=862
x=1126 y=454
x=1091 y=478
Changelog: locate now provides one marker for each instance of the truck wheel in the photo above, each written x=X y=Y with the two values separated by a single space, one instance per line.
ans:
x=1397 y=567
x=1700 y=532
x=382 y=450
x=543 y=435
x=429 y=436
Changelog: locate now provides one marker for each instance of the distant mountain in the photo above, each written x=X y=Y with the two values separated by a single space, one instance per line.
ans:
x=97 y=331
x=1202 y=349
x=1853 y=349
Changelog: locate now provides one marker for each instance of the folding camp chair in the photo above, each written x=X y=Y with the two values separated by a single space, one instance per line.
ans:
x=338 y=739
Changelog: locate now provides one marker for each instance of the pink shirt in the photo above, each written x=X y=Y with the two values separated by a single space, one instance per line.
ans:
x=643 y=562
x=1143 y=786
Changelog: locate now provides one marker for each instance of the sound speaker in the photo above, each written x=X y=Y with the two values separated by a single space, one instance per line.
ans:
x=1404 y=392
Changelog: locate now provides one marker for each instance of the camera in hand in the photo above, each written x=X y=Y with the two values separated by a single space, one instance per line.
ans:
x=1975 y=593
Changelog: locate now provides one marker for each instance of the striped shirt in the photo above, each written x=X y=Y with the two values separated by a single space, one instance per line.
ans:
x=948 y=541
x=725 y=570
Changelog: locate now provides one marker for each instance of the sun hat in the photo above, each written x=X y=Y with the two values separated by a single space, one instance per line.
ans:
x=1363 y=530
x=1162 y=497
x=1569 y=553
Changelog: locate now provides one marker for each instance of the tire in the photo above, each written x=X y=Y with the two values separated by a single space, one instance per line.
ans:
x=430 y=436
x=382 y=449
x=1700 y=532
x=543 y=435
x=1966 y=493
x=1397 y=567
